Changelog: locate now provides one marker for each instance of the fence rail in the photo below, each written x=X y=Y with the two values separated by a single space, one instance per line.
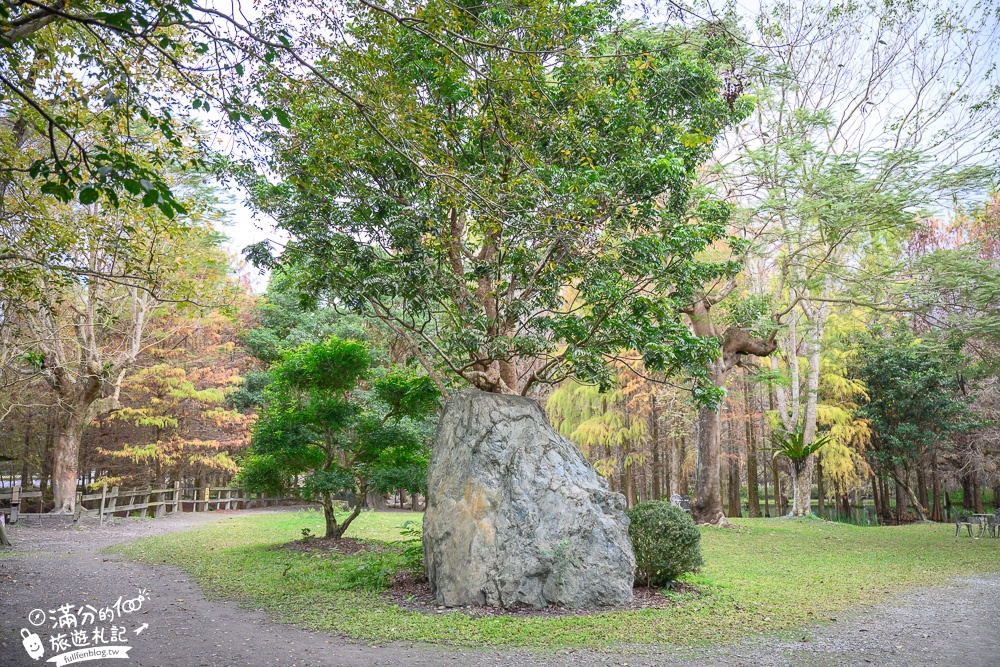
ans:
x=146 y=502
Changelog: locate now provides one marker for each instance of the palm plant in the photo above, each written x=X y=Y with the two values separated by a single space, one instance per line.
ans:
x=792 y=446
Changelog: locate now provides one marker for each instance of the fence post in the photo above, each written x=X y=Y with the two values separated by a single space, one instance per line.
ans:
x=229 y=498
x=177 y=497
x=15 y=504
x=104 y=497
x=78 y=509
x=114 y=503
x=208 y=492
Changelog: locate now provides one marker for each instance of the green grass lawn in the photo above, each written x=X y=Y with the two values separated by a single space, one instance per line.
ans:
x=772 y=575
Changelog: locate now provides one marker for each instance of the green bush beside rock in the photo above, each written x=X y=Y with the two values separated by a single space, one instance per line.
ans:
x=665 y=541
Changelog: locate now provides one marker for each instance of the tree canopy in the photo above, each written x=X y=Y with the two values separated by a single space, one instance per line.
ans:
x=517 y=215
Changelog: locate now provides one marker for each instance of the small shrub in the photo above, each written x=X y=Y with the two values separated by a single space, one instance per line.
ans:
x=665 y=541
x=369 y=570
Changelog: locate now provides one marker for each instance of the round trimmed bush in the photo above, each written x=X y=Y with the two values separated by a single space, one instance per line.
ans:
x=665 y=541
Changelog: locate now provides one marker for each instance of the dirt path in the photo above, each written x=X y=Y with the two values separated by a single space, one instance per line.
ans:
x=957 y=624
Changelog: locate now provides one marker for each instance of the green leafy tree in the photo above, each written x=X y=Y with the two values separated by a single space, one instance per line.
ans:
x=340 y=424
x=913 y=402
x=517 y=214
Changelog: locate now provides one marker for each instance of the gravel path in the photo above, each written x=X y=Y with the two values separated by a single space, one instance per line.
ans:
x=958 y=624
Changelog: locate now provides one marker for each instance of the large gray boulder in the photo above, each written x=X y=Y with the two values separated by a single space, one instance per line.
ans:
x=516 y=516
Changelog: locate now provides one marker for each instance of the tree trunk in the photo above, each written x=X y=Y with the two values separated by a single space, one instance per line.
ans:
x=775 y=479
x=707 y=507
x=342 y=528
x=877 y=497
x=683 y=480
x=753 y=500
x=967 y=492
x=779 y=509
x=656 y=447
x=767 y=500
x=375 y=501
x=886 y=504
x=735 y=344
x=921 y=512
x=65 y=460
x=901 y=509
x=50 y=441
x=734 y=483
x=922 y=482
x=733 y=469
x=802 y=487
x=820 y=490
x=977 y=493
x=936 y=514
x=802 y=503
x=668 y=470
x=329 y=517
x=25 y=476
x=630 y=485
x=4 y=540
x=628 y=470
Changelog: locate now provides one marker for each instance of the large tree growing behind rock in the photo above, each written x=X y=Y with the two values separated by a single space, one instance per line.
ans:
x=518 y=213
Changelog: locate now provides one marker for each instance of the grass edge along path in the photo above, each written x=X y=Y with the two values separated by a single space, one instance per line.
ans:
x=770 y=576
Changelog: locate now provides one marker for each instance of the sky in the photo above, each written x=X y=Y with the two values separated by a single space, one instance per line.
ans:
x=243 y=229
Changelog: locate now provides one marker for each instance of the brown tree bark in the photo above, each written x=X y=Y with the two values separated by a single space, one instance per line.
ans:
x=911 y=496
x=683 y=478
x=735 y=510
x=767 y=500
x=50 y=438
x=936 y=513
x=654 y=428
x=977 y=493
x=66 y=458
x=707 y=506
x=820 y=490
x=877 y=498
x=922 y=482
x=25 y=472
x=884 y=489
x=753 y=499
x=779 y=507
x=901 y=509
x=967 y=492
x=736 y=344
x=668 y=469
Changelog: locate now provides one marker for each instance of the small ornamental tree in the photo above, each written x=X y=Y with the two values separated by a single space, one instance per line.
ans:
x=341 y=425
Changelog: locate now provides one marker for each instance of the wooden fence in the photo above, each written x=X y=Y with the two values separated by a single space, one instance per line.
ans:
x=139 y=502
